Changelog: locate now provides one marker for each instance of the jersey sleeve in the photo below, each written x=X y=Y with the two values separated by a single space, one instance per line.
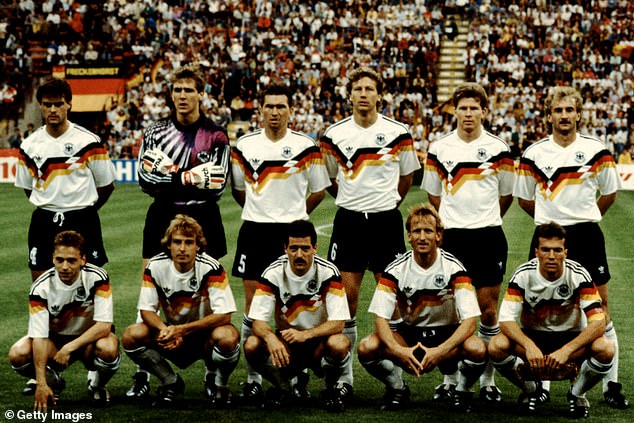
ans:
x=103 y=302
x=466 y=300
x=237 y=170
x=318 y=178
x=25 y=171
x=607 y=176
x=432 y=181
x=100 y=165
x=328 y=153
x=506 y=175
x=590 y=301
x=408 y=160
x=512 y=303
x=148 y=298
x=336 y=300
x=525 y=181
x=263 y=304
x=38 y=317
x=384 y=299
x=221 y=298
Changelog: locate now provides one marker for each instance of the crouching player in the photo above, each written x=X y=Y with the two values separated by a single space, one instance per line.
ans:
x=433 y=293
x=193 y=292
x=70 y=319
x=306 y=296
x=544 y=333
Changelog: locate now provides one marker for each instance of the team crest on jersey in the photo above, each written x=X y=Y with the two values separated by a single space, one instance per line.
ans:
x=203 y=156
x=312 y=286
x=68 y=149
x=580 y=157
x=80 y=293
x=380 y=140
x=287 y=152
x=439 y=281
x=192 y=284
x=563 y=291
x=482 y=154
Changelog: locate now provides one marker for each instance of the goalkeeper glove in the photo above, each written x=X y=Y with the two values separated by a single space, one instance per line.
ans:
x=205 y=176
x=157 y=162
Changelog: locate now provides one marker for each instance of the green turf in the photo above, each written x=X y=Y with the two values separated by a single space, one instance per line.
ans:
x=122 y=220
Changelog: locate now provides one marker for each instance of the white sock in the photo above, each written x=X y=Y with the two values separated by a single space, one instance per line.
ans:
x=613 y=373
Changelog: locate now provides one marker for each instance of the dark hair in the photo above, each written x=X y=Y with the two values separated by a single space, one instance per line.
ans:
x=420 y=210
x=186 y=225
x=301 y=229
x=189 y=72
x=470 y=90
x=54 y=87
x=549 y=231
x=277 y=89
x=69 y=239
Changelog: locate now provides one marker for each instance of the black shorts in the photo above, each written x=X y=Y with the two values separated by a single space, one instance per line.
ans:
x=430 y=337
x=160 y=214
x=259 y=245
x=192 y=349
x=549 y=342
x=363 y=241
x=586 y=245
x=482 y=251
x=45 y=225
x=303 y=354
x=60 y=340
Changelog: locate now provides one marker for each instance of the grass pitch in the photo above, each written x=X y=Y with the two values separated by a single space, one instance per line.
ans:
x=122 y=221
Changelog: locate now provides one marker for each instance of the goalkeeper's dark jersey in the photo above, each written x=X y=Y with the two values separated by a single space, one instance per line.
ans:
x=187 y=146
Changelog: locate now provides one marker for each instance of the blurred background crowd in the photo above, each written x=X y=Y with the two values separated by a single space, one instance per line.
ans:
x=516 y=49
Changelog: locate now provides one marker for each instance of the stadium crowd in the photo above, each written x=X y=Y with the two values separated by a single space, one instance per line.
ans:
x=514 y=50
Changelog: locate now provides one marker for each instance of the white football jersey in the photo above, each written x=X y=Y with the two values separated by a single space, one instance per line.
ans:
x=304 y=301
x=63 y=173
x=470 y=177
x=564 y=181
x=537 y=303
x=439 y=296
x=368 y=162
x=277 y=176
x=186 y=297
x=62 y=309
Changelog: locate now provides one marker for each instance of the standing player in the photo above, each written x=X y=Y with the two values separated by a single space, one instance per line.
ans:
x=558 y=180
x=305 y=295
x=67 y=174
x=70 y=319
x=184 y=163
x=434 y=296
x=469 y=177
x=371 y=162
x=193 y=292
x=273 y=170
x=542 y=323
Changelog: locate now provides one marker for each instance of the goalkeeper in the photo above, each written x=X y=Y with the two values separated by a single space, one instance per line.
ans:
x=183 y=165
x=544 y=333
